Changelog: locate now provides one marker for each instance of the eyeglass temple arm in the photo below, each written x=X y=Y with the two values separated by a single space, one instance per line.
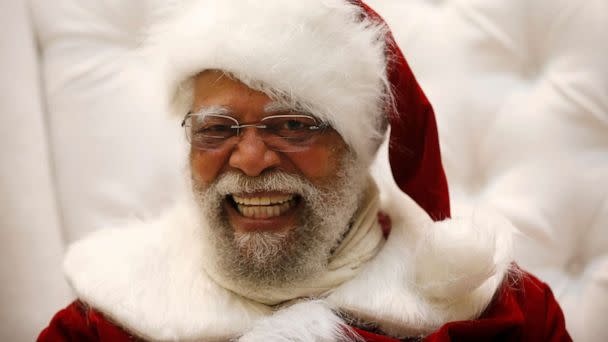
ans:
x=186 y=118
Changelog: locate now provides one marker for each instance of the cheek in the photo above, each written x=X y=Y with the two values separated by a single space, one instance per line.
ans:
x=206 y=166
x=316 y=163
x=321 y=162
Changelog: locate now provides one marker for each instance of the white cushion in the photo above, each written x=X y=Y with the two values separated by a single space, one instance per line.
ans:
x=520 y=90
x=519 y=86
x=117 y=155
x=31 y=248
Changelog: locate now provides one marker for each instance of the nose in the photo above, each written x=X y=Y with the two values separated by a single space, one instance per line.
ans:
x=251 y=155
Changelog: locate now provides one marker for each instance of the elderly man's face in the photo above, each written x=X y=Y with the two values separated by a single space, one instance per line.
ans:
x=252 y=157
x=274 y=215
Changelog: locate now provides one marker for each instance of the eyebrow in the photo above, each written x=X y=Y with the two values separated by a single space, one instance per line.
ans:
x=274 y=107
x=213 y=110
x=270 y=108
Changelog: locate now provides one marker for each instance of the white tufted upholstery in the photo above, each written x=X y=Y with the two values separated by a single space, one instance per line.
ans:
x=110 y=165
x=521 y=93
x=520 y=89
x=79 y=156
x=31 y=245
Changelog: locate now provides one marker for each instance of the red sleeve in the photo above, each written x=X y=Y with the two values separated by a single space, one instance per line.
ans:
x=523 y=310
x=77 y=322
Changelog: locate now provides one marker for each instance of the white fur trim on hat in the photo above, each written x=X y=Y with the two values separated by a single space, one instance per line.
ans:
x=320 y=54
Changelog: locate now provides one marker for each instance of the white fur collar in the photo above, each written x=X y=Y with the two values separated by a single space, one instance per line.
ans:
x=149 y=278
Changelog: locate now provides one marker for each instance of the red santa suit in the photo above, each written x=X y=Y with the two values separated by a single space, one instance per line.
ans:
x=433 y=279
x=523 y=311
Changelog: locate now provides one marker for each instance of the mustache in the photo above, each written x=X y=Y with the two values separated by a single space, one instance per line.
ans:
x=234 y=182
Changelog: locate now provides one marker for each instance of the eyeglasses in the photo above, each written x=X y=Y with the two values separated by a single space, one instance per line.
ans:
x=283 y=133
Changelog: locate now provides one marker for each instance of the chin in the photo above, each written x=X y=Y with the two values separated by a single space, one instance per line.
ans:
x=276 y=251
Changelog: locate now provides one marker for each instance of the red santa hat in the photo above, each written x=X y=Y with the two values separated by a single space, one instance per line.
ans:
x=336 y=58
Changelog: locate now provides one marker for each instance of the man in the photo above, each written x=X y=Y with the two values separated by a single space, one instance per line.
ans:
x=286 y=236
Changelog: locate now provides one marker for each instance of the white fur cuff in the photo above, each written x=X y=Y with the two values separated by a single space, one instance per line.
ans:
x=310 y=321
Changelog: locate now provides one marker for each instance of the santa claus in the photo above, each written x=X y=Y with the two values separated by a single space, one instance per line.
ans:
x=285 y=234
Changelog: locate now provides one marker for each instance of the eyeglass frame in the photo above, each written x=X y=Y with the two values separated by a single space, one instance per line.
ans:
x=316 y=128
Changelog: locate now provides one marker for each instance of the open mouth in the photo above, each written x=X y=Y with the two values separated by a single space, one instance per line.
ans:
x=263 y=206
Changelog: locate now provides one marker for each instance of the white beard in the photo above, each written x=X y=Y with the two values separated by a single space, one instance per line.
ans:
x=286 y=257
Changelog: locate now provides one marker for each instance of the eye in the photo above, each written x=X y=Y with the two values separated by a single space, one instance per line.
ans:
x=213 y=131
x=294 y=125
x=216 y=128
x=212 y=126
x=291 y=126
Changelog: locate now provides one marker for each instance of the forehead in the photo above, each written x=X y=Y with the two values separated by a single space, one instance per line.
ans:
x=218 y=93
x=216 y=88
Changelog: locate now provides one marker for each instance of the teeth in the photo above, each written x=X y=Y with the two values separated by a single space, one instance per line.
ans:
x=264 y=200
x=265 y=211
